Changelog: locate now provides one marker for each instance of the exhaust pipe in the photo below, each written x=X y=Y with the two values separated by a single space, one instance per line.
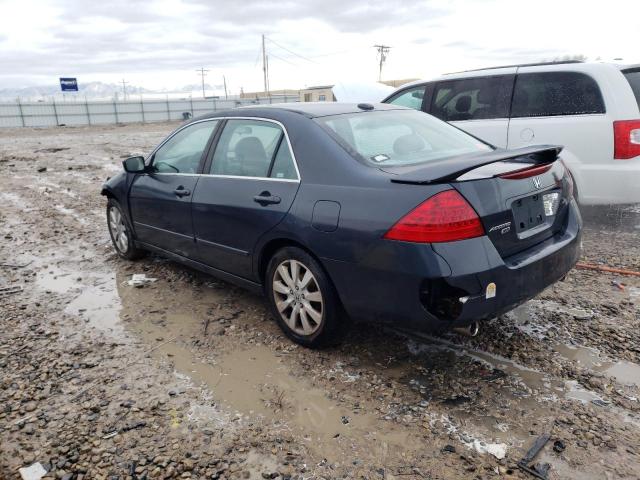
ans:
x=470 y=330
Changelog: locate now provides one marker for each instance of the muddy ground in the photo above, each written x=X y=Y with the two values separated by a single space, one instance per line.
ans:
x=189 y=377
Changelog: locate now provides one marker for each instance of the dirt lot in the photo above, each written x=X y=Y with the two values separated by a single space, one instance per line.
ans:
x=189 y=377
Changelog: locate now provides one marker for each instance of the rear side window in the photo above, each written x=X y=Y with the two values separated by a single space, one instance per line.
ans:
x=633 y=77
x=253 y=148
x=411 y=98
x=556 y=93
x=472 y=98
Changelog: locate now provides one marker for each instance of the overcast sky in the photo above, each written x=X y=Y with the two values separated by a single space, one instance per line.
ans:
x=159 y=43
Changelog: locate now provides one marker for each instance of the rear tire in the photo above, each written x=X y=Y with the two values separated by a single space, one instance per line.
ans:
x=302 y=298
x=120 y=232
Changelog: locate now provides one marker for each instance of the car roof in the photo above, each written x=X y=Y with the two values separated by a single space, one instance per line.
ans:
x=493 y=71
x=308 y=109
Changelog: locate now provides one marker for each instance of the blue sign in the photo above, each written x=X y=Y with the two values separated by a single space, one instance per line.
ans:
x=69 y=84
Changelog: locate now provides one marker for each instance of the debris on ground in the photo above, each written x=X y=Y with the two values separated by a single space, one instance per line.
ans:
x=32 y=472
x=559 y=446
x=607 y=269
x=538 y=470
x=139 y=280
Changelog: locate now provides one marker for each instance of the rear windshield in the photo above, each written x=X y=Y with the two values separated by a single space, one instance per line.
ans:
x=633 y=77
x=399 y=137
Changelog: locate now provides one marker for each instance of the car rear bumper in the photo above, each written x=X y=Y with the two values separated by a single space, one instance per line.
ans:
x=413 y=294
x=614 y=182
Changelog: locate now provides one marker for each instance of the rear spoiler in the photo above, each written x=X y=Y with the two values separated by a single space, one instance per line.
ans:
x=450 y=169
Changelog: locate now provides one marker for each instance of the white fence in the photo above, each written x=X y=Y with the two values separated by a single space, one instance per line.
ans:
x=52 y=113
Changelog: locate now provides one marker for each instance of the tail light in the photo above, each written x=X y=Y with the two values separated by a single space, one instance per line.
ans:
x=626 y=136
x=527 y=172
x=445 y=217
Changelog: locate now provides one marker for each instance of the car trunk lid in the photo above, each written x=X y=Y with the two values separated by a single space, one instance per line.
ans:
x=521 y=196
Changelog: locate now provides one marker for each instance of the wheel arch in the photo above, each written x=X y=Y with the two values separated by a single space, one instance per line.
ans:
x=272 y=246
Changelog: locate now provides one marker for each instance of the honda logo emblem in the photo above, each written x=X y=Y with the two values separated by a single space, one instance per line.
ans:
x=537 y=182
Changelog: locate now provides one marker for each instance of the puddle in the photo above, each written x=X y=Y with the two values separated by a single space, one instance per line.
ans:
x=54 y=279
x=626 y=373
x=70 y=212
x=98 y=306
x=16 y=200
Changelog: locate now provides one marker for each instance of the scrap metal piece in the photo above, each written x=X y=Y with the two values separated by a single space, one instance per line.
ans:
x=523 y=464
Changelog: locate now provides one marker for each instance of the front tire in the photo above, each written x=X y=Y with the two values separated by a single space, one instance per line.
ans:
x=120 y=233
x=302 y=298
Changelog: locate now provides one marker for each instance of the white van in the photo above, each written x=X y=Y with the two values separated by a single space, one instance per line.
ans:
x=592 y=109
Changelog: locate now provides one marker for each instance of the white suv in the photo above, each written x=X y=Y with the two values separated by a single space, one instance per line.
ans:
x=592 y=109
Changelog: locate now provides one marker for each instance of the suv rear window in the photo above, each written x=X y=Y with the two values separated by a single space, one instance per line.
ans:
x=399 y=137
x=472 y=98
x=633 y=77
x=555 y=93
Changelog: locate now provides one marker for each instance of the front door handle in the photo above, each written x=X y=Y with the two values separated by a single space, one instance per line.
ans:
x=265 y=198
x=182 y=192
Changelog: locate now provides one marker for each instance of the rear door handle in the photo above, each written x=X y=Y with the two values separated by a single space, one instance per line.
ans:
x=182 y=192
x=265 y=198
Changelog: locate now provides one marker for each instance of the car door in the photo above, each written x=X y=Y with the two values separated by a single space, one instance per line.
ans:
x=247 y=188
x=160 y=200
x=477 y=105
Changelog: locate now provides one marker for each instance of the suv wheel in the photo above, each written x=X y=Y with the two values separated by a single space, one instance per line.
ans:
x=120 y=233
x=302 y=297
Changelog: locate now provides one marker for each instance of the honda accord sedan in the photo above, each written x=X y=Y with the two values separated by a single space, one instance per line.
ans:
x=333 y=211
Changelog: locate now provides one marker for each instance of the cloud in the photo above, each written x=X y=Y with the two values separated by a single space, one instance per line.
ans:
x=163 y=41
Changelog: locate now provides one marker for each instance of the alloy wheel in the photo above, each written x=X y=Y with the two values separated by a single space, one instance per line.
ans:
x=298 y=297
x=118 y=230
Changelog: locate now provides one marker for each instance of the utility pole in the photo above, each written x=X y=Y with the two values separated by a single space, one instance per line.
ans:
x=268 y=86
x=124 y=89
x=265 y=70
x=203 y=73
x=383 y=51
x=224 y=80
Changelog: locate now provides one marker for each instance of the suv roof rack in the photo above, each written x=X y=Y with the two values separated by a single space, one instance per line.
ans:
x=561 y=62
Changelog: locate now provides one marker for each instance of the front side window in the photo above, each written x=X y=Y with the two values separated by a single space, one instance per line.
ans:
x=399 y=137
x=182 y=152
x=556 y=93
x=477 y=98
x=411 y=98
x=253 y=148
x=322 y=98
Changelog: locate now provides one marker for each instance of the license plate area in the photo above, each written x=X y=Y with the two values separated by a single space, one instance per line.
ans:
x=528 y=213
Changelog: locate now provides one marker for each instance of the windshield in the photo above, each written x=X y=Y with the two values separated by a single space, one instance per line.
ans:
x=399 y=137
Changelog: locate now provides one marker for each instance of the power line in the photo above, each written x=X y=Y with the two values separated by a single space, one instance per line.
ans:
x=290 y=51
x=271 y=54
x=383 y=51
x=202 y=72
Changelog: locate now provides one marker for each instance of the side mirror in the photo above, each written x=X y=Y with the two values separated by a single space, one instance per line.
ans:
x=134 y=165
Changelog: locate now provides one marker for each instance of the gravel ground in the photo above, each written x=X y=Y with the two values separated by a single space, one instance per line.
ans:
x=188 y=377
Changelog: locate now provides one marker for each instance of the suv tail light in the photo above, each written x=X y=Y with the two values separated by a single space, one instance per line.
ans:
x=626 y=135
x=445 y=217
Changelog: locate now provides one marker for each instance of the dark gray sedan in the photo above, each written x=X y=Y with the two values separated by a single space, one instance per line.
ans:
x=335 y=211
